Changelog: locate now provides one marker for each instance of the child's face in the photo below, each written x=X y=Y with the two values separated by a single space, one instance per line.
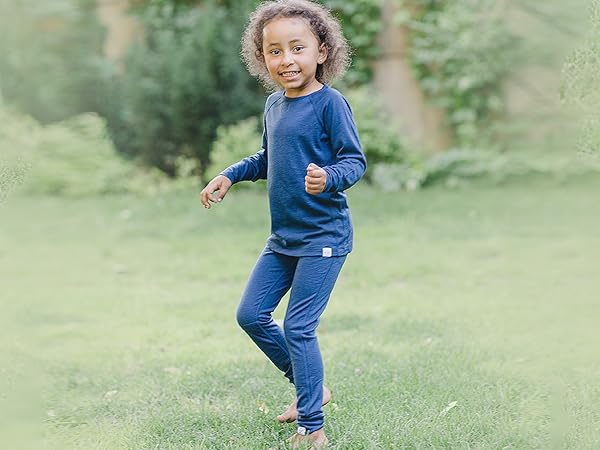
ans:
x=292 y=53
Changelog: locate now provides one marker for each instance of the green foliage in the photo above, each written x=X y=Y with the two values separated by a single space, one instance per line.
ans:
x=51 y=65
x=234 y=143
x=461 y=52
x=181 y=83
x=379 y=135
x=457 y=167
x=448 y=167
x=361 y=22
x=390 y=177
x=16 y=136
x=72 y=158
x=581 y=78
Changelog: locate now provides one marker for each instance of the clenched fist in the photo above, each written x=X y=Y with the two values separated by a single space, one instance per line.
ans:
x=315 y=179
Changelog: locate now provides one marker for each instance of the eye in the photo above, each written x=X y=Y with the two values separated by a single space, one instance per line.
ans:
x=298 y=48
x=275 y=52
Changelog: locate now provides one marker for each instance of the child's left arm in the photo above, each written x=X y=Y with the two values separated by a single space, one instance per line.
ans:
x=350 y=162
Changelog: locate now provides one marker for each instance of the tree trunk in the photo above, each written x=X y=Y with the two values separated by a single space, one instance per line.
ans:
x=121 y=29
x=402 y=94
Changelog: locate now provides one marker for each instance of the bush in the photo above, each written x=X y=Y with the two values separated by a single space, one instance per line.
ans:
x=450 y=168
x=16 y=150
x=379 y=134
x=461 y=53
x=234 y=143
x=181 y=83
x=581 y=77
x=397 y=177
x=72 y=158
x=458 y=166
x=51 y=66
x=361 y=22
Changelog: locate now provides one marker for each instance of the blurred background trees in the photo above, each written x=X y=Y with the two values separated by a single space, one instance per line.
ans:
x=439 y=89
x=180 y=82
x=52 y=65
x=581 y=85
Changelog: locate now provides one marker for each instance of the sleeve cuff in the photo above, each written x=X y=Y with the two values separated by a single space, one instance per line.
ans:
x=227 y=174
x=328 y=182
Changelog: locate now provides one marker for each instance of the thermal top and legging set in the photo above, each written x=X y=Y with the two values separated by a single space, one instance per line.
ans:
x=310 y=234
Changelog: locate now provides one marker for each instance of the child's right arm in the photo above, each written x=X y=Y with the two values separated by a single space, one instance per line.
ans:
x=251 y=168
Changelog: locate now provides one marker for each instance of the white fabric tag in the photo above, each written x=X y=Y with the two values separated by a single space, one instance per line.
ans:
x=327 y=252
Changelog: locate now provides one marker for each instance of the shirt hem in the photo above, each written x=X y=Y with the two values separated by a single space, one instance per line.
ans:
x=310 y=250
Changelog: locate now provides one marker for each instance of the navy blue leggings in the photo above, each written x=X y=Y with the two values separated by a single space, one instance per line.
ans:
x=294 y=350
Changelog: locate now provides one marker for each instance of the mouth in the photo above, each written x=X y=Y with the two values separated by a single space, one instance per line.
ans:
x=289 y=74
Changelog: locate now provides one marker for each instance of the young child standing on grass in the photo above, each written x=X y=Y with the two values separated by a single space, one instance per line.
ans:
x=310 y=155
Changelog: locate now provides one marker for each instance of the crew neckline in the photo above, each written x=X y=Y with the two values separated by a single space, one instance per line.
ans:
x=293 y=99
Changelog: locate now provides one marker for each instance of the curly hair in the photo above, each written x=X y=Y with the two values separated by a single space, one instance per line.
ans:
x=324 y=26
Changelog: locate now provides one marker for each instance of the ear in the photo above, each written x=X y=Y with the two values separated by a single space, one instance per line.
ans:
x=323 y=53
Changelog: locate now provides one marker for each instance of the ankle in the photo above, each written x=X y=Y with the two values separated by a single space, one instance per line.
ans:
x=317 y=434
x=313 y=435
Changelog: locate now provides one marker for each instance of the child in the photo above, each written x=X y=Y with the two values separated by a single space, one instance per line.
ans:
x=310 y=154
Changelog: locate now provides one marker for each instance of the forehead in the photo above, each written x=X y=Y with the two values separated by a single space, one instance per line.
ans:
x=286 y=29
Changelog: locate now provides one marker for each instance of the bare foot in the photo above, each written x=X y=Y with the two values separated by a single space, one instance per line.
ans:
x=313 y=441
x=291 y=413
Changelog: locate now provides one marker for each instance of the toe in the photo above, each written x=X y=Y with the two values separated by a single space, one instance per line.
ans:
x=286 y=417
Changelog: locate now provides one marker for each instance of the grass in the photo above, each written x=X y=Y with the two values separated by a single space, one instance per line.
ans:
x=464 y=319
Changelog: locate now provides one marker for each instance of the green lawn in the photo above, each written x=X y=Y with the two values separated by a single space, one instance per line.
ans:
x=465 y=318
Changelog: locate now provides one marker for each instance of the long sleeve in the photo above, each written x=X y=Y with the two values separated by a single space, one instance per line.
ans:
x=252 y=168
x=350 y=162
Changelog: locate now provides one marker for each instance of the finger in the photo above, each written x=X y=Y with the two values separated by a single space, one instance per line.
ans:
x=209 y=200
x=312 y=166
x=207 y=194
x=204 y=198
x=217 y=197
x=314 y=180
x=205 y=201
x=221 y=194
x=314 y=186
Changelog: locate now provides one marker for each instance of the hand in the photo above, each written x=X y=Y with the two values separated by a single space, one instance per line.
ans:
x=219 y=183
x=315 y=179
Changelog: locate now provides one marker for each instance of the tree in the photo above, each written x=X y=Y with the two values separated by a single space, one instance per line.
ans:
x=442 y=67
x=52 y=65
x=181 y=82
x=581 y=78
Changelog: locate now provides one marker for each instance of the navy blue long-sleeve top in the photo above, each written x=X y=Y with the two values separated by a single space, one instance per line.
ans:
x=316 y=128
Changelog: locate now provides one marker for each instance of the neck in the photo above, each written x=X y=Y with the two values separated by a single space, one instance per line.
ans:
x=314 y=86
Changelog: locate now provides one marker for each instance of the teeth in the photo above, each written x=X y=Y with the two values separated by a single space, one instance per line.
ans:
x=287 y=74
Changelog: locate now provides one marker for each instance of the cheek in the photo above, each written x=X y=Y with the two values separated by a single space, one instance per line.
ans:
x=271 y=65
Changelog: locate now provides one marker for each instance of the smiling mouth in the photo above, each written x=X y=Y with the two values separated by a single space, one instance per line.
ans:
x=289 y=74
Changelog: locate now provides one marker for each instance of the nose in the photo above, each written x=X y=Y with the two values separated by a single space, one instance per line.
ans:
x=287 y=59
